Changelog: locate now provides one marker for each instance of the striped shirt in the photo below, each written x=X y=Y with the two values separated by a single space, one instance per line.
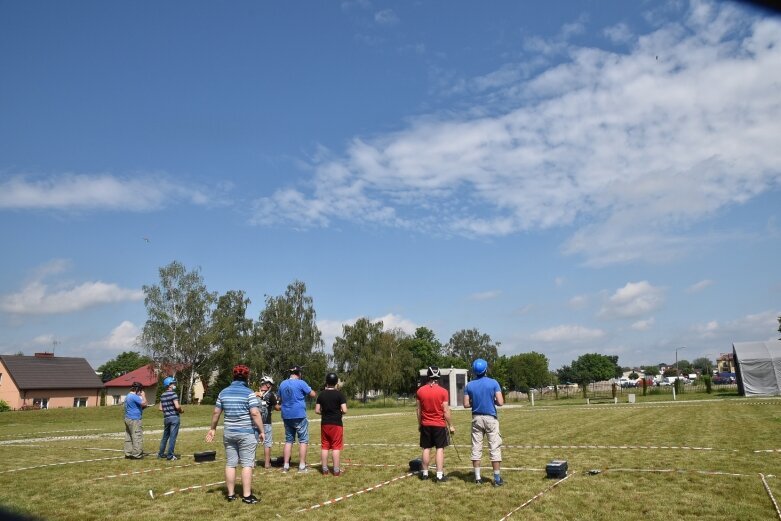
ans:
x=236 y=400
x=167 y=402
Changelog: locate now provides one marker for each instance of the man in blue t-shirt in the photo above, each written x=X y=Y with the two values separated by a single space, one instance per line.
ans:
x=293 y=393
x=135 y=403
x=169 y=404
x=483 y=394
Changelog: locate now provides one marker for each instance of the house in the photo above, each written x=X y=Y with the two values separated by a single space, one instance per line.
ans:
x=46 y=381
x=725 y=363
x=117 y=389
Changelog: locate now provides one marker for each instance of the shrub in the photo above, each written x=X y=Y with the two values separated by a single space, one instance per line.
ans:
x=207 y=400
x=4 y=406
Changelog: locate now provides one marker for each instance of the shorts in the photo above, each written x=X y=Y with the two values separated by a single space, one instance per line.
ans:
x=433 y=437
x=332 y=437
x=296 y=427
x=485 y=425
x=240 y=449
x=268 y=431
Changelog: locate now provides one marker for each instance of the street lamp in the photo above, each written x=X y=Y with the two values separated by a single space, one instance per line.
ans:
x=677 y=373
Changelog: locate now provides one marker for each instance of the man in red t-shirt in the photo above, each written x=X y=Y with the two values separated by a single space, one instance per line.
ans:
x=433 y=421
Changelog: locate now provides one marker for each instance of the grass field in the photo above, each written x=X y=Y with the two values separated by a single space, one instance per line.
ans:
x=658 y=460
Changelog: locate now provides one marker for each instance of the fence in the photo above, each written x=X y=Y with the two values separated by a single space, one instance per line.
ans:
x=606 y=390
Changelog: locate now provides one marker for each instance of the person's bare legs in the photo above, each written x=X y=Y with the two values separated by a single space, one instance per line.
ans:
x=440 y=460
x=286 y=453
x=426 y=460
x=336 y=455
x=246 y=480
x=267 y=454
x=230 y=480
x=302 y=448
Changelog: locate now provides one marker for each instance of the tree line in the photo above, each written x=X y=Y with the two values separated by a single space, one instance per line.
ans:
x=198 y=334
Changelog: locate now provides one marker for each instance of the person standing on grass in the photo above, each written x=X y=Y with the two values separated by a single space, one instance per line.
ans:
x=242 y=412
x=433 y=414
x=169 y=404
x=482 y=395
x=268 y=404
x=331 y=405
x=293 y=393
x=135 y=403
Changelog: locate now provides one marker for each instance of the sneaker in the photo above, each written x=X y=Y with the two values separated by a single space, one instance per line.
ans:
x=337 y=473
x=498 y=481
x=324 y=472
x=174 y=457
x=303 y=470
x=160 y=456
x=479 y=481
x=232 y=497
x=422 y=476
x=443 y=479
x=250 y=500
x=285 y=469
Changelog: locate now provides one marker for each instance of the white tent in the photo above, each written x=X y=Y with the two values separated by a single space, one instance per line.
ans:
x=758 y=366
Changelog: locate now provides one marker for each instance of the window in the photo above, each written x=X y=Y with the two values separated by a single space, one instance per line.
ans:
x=1 y=378
x=43 y=403
x=79 y=402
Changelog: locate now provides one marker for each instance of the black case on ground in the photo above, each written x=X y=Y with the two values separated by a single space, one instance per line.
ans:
x=556 y=469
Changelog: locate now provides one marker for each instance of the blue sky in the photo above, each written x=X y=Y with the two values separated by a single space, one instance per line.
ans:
x=568 y=177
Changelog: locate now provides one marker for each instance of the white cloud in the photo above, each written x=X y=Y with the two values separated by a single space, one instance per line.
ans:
x=699 y=286
x=578 y=302
x=386 y=17
x=95 y=192
x=619 y=33
x=633 y=300
x=36 y=298
x=568 y=333
x=643 y=325
x=121 y=338
x=330 y=329
x=486 y=295
x=707 y=330
x=44 y=340
x=559 y=281
x=630 y=151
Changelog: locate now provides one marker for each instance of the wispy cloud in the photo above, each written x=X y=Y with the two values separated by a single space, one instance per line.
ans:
x=37 y=298
x=643 y=325
x=635 y=299
x=629 y=150
x=699 y=286
x=578 y=302
x=75 y=192
x=386 y=17
x=568 y=333
x=486 y=295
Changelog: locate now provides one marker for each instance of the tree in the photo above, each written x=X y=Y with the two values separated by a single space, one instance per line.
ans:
x=177 y=331
x=468 y=344
x=123 y=363
x=633 y=375
x=395 y=364
x=684 y=367
x=565 y=375
x=651 y=370
x=232 y=336
x=288 y=335
x=703 y=365
x=593 y=367
x=528 y=370
x=424 y=347
x=355 y=356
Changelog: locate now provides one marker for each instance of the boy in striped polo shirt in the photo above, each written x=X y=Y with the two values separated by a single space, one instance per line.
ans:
x=169 y=404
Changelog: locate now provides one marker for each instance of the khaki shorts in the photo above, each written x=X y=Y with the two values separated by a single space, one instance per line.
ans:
x=484 y=425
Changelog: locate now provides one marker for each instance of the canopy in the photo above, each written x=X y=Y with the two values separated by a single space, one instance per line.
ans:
x=758 y=367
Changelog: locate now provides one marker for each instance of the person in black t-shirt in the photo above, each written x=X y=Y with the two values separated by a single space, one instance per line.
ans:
x=331 y=405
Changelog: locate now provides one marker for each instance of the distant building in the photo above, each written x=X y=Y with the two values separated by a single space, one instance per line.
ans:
x=44 y=381
x=117 y=389
x=725 y=363
x=454 y=382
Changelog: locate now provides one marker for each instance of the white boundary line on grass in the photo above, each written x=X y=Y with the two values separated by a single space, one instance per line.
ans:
x=146 y=471
x=679 y=471
x=57 y=464
x=562 y=480
x=353 y=494
x=770 y=493
x=193 y=487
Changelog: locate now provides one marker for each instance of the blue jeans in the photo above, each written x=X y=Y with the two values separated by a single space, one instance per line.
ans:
x=170 y=432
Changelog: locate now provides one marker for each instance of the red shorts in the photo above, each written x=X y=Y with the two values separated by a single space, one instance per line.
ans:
x=331 y=437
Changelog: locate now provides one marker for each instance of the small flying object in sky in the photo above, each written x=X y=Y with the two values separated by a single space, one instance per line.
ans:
x=147 y=239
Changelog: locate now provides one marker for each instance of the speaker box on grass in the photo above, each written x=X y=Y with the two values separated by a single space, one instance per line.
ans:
x=556 y=469
x=208 y=455
x=415 y=465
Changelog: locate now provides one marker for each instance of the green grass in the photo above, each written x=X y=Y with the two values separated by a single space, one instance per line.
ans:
x=638 y=478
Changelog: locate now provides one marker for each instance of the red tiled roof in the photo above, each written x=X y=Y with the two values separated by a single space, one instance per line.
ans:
x=146 y=375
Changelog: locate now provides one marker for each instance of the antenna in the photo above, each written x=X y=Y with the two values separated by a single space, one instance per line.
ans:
x=55 y=343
